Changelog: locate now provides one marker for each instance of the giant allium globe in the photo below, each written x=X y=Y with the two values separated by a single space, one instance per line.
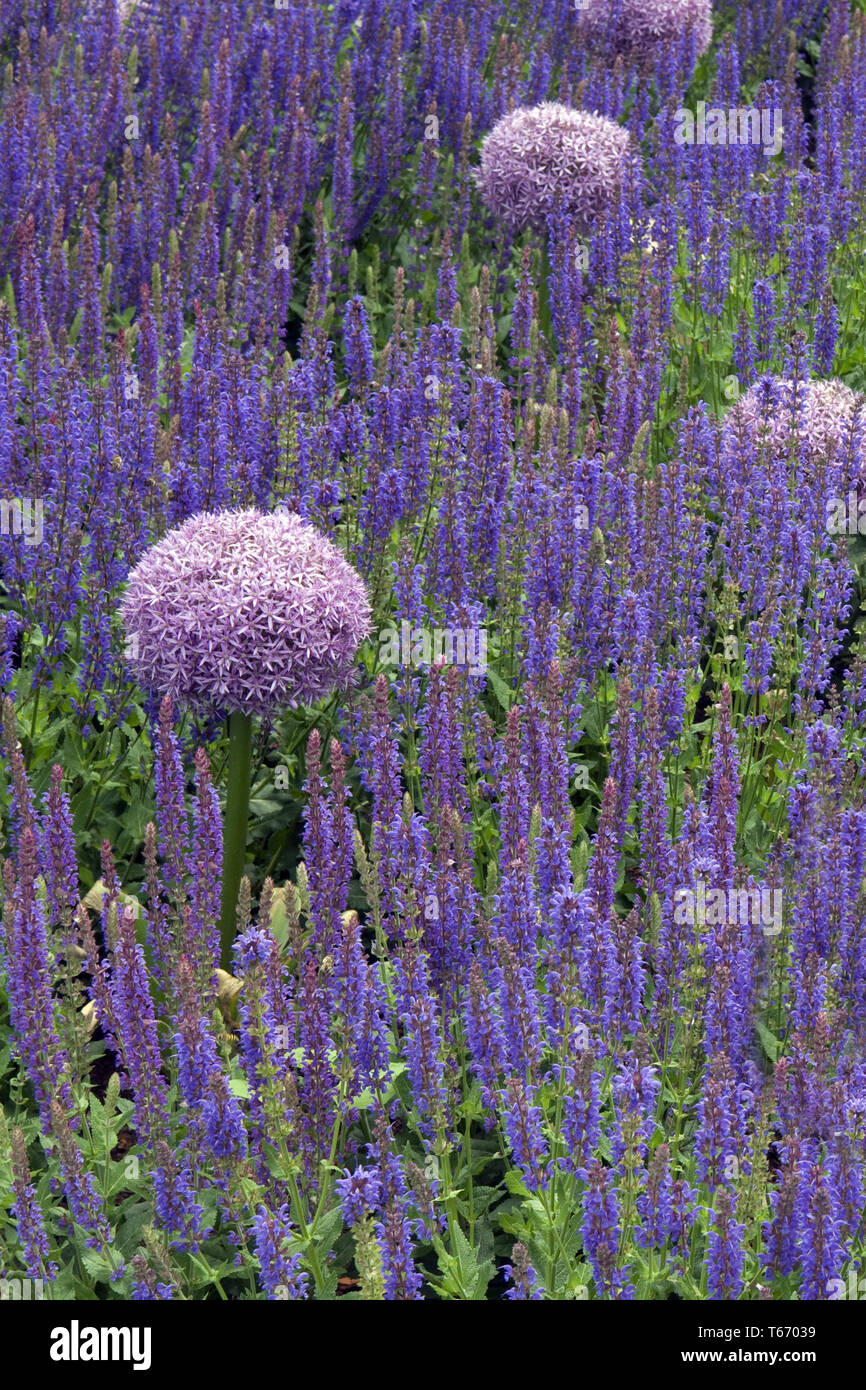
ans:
x=819 y=422
x=244 y=611
x=643 y=28
x=540 y=157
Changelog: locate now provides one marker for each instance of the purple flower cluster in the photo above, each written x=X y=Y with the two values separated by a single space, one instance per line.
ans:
x=243 y=611
x=541 y=159
x=823 y=418
x=643 y=28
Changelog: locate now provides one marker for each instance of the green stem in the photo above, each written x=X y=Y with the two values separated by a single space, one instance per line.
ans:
x=235 y=828
x=545 y=315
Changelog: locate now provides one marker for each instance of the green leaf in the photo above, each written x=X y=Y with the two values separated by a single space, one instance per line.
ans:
x=771 y=1044
x=515 y=1184
x=328 y=1229
x=99 y=1267
x=499 y=688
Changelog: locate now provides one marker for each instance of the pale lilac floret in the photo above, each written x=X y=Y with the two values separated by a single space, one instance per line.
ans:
x=244 y=610
x=820 y=419
x=643 y=28
x=538 y=158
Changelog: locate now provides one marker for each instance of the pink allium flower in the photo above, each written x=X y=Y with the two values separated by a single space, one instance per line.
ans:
x=642 y=28
x=551 y=155
x=244 y=611
x=822 y=418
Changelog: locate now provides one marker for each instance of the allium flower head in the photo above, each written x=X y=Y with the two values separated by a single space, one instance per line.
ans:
x=818 y=419
x=244 y=611
x=126 y=9
x=538 y=157
x=642 y=28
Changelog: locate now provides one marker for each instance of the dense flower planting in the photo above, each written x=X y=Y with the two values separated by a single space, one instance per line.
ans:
x=433 y=486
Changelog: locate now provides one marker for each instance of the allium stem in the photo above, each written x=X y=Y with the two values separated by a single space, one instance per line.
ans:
x=235 y=828
x=545 y=315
